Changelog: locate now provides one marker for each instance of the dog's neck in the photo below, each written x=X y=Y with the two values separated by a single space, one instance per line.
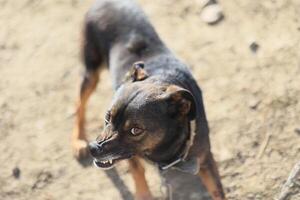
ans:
x=183 y=162
x=183 y=155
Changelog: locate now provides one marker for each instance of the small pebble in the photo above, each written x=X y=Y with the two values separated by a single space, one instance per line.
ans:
x=254 y=103
x=250 y=196
x=254 y=47
x=212 y=14
x=297 y=130
x=16 y=172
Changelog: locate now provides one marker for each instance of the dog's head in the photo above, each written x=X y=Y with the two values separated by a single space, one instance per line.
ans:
x=146 y=118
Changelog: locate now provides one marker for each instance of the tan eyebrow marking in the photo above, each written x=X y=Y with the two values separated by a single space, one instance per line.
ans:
x=127 y=125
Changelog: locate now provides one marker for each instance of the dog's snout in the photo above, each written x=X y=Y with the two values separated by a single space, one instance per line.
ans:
x=100 y=148
x=95 y=148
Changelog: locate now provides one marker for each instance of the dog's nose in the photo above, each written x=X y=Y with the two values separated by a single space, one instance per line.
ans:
x=95 y=149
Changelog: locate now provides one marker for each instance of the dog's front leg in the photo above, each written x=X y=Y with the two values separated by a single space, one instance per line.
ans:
x=138 y=173
x=79 y=141
x=210 y=177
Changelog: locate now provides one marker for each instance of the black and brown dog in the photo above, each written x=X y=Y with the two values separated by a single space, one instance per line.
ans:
x=156 y=103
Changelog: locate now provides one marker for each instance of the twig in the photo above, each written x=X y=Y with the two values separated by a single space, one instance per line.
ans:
x=287 y=188
x=267 y=138
x=264 y=145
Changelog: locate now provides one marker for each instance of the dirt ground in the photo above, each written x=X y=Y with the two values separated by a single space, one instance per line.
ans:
x=251 y=98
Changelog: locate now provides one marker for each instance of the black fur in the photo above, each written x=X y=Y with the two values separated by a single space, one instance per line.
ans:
x=117 y=34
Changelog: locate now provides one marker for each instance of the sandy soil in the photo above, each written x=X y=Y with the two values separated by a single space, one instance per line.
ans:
x=251 y=98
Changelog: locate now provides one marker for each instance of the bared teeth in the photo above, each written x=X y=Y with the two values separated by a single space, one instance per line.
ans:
x=107 y=161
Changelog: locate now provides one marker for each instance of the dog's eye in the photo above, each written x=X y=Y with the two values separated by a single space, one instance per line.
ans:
x=136 y=131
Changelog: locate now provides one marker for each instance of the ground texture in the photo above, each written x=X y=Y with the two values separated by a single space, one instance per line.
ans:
x=251 y=96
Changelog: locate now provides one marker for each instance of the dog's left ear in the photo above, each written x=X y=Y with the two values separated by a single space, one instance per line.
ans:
x=180 y=102
x=137 y=73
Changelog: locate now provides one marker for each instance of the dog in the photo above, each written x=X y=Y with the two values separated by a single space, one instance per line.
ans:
x=157 y=112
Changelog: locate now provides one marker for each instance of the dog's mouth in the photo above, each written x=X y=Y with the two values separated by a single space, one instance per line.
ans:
x=109 y=162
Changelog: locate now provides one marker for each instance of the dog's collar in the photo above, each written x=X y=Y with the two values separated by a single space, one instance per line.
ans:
x=182 y=163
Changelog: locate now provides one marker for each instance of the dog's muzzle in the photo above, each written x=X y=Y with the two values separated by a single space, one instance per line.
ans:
x=103 y=158
x=95 y=149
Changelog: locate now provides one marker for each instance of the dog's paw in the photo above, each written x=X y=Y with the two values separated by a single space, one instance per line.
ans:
x=80 y=149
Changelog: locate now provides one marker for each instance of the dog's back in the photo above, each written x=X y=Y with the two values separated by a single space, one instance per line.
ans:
x=119 y=32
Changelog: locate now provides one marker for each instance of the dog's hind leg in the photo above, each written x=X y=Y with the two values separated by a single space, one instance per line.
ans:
x=138 y=173
x=210 y=178
x=93 y=60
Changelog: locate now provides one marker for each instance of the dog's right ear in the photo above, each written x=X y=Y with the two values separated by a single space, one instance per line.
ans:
x=180 y=102
x=137 y=73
